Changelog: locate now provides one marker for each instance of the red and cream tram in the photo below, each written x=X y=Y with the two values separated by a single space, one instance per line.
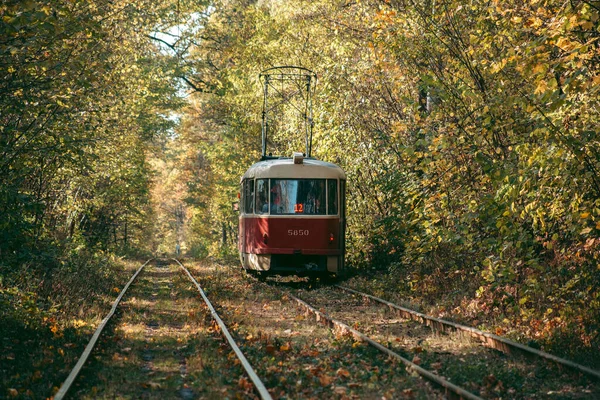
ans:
x=292 y=217
x=292 y=210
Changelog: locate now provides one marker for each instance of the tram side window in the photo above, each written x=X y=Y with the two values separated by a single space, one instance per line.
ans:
x=262 y=196
x=332 y=197
x=343 y=199
x=249 y=196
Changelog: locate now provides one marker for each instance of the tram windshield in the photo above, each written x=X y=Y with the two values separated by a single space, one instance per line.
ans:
x=298 y=196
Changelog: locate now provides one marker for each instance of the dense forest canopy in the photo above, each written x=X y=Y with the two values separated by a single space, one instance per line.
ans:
x=468 y=130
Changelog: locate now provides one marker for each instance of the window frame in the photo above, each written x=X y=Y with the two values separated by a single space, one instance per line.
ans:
x=248 y=196
x=256 y=194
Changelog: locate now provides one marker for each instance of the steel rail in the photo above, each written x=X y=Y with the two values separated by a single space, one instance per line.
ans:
x=489 y=339
x=462 y=393
x=64 y=388
x=258 y=384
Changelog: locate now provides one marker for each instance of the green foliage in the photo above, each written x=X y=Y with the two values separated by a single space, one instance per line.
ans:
x=468 y=133
x=83 y=91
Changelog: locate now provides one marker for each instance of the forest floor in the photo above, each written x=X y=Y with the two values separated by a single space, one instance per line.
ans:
x=47 y=318
x=162 y=342
x=455 y=299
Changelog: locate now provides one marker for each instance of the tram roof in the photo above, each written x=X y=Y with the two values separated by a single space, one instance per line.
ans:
x=285 y=168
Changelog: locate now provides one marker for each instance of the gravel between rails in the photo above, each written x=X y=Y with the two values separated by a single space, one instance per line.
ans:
x=296 y=358
x=486 y=372
x=162 y=344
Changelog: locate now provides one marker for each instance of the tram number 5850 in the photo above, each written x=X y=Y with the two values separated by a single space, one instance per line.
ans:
x=298 y=232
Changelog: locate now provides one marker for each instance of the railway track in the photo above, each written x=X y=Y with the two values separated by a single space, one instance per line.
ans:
x=164 y=288
x=174 y=342
x=307 y=360
x=450 y=390
x=486 y=338
x=439 y=351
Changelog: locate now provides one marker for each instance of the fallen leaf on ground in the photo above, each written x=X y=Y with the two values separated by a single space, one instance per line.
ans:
x=416 y=360
x=245 y=384
x=340 y=390
x=315 y=370
x=343 y=372
x=326 y=380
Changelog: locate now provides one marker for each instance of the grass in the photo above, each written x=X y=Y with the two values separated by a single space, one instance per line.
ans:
x=47 y=317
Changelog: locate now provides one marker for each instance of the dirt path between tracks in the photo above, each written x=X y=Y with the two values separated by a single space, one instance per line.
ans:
x=162 y=344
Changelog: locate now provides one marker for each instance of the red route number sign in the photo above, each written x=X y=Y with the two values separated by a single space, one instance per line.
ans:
x=299 y=208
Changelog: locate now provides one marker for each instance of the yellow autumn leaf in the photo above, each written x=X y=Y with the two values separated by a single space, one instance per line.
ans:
x=565 y=44
x=78 y=323
x=541 y=87
x=587 y=25
x=598 y=225
x=584 y=215
x=539 y=68
x=284 y=347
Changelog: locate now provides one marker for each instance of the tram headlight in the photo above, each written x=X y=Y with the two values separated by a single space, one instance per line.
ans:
x=331 y=238
x=265 y=238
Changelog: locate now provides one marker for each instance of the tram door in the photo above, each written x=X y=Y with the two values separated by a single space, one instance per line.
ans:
x=241 y=244
x=247 y=208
